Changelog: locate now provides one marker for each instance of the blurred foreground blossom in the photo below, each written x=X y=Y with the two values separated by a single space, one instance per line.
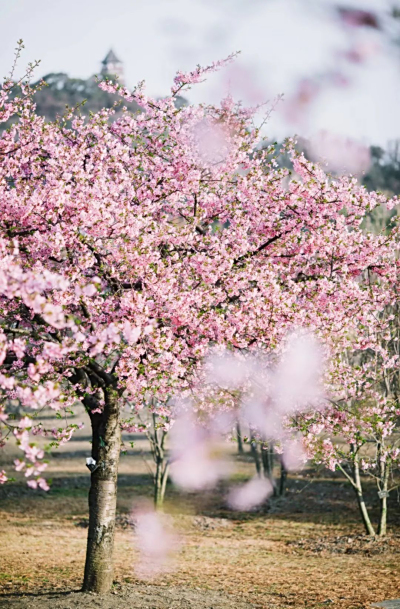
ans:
x=361 y=51
x=155 y=541
x=228 y=369
x=260 y=392
x=267 y=391
x=297 y=380
x=294 y=455
x=196 y=462
x=267 y=394
x=354 y=17
x=243 y=84
x=209 y=142
x=298 y=105
x=341 y=154
x=250 y=495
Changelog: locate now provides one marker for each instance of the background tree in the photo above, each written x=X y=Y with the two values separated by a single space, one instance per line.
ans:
x=60 y=91
x=358 y=434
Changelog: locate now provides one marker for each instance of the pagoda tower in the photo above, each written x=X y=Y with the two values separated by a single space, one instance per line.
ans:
x=112 y=66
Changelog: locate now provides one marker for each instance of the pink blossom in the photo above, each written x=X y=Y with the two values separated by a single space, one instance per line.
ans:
x=19 y=465
x=33 y=452
x=43 y=484
x=25 y=422
x=89 y=289
x=181 y=79
x=131 y=334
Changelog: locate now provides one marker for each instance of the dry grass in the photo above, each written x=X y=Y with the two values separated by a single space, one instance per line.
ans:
x=283 y=556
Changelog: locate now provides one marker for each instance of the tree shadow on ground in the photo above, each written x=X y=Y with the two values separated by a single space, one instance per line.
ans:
x=54 y=593
x=325 y=499
x=312 y=496
x=140 y=596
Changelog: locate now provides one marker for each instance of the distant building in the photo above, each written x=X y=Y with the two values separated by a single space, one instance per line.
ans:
x=112 y=66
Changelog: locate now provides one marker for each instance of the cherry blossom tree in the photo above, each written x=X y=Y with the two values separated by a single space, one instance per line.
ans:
x=22 y=299
x=169 y=232
x=358 y=434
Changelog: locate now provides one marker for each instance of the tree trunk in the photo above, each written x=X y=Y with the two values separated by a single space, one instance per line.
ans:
x=267 y=458
x=239 y=439
x=282 y=481
x=268 y=462
x=103 y=496
x=160 y=482
x=382 y=530
x=157 y=437
x=254 y=453
x=360 y=498
x=164 y=481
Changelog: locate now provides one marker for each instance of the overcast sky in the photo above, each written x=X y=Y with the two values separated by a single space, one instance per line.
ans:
x=281 y=42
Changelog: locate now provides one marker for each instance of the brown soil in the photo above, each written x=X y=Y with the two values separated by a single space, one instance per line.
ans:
x=357 y=544
x=304 y=550
x=129 y=597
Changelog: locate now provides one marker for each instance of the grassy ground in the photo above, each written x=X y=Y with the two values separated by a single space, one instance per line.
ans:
x=304 y=550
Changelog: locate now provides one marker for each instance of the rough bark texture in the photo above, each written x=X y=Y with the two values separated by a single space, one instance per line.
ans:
x=103 y=496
